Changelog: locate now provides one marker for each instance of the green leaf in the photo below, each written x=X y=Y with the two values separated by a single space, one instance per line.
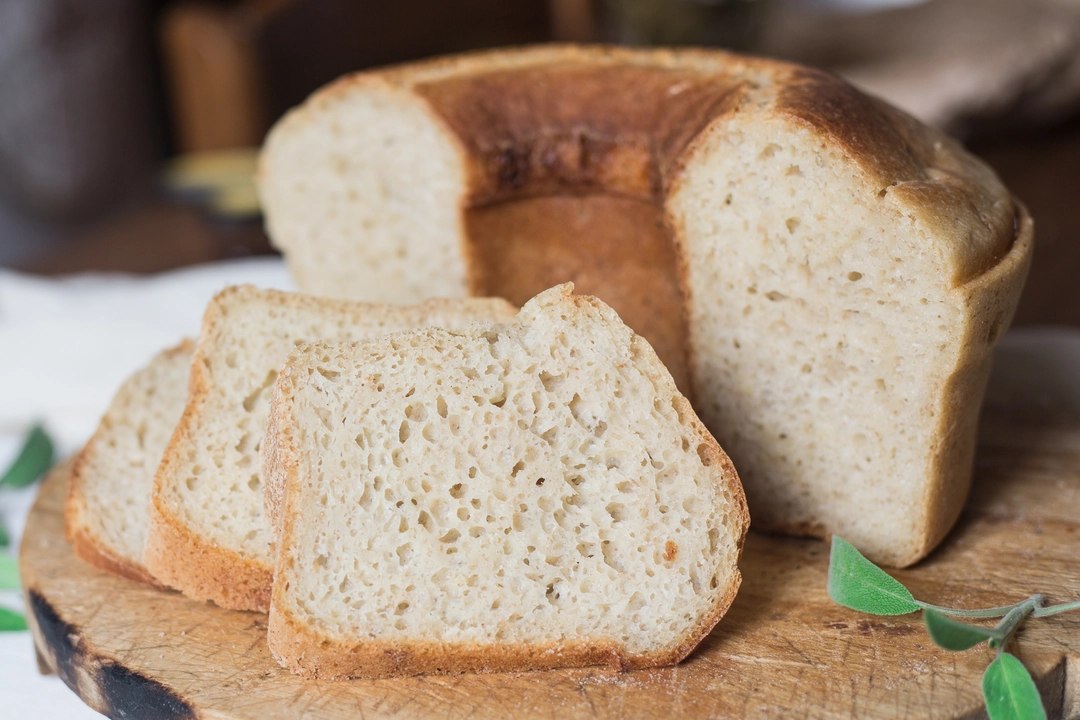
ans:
x=1009 y=691
x=34 y=459
x=859 y=584
x=11 y=621
x=4 y=539
x=9 y=573
x=954 y=635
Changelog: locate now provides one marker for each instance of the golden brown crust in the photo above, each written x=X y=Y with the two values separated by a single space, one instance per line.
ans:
x=73 y=504
x=88 y=546
x=936 y=181
x=991 y=299
x=307 y=651
x=90 y=552
x=577 y=127
x=295 y=649
x=712 y=454
x=201 y=570
x=279 y=461
x=521 y=249
x=179 y=558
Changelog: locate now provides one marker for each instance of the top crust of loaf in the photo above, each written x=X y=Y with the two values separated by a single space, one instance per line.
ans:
x=326 y=392
x=118 y=464
x=549 y=119
x=185 y=548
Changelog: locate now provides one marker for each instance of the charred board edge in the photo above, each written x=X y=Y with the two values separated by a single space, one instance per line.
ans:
x=101 y=682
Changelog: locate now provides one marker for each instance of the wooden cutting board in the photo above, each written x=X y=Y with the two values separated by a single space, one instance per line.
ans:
x=784 y=648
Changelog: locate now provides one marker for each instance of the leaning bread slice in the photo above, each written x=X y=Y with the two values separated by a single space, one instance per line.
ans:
x=510 y=497
x=207 y=535
x=105 y=513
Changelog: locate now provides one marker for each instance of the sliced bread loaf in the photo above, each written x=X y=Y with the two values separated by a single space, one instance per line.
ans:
x=822 y=274
x=523 y=496
x=207 y=534
x=106 y=509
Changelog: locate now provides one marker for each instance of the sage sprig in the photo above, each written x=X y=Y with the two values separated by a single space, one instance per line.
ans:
x=11 y=620
x=1008 y=689
x=34 y=460
x=9 y=580
x=9 y=572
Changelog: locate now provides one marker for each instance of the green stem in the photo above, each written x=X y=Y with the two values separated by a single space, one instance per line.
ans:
x=981 y=613
x=1012 y=620
x=1055 y=609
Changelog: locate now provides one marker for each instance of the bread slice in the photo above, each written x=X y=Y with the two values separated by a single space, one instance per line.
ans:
x=109 y=493
x=207 y=534
x=511 y=497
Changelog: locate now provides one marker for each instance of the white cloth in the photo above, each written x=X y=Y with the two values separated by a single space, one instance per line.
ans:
x=66 y=345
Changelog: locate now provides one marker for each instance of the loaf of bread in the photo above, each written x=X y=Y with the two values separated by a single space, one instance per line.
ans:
x=823 y=276
x=504 y=497
x=207 y=534
x=106 y=508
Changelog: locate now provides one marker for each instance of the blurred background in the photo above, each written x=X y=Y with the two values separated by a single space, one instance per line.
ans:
x=128 y=127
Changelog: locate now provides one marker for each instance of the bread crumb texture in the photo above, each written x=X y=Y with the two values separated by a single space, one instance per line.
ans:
x=209 y=483
x=529 y=484
x=106 y=510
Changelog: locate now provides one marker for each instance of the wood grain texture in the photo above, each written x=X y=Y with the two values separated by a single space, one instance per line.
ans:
x=784 y=650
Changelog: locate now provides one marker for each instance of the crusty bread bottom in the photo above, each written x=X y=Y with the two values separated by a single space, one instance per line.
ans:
x=330 y=660
x=173 y=550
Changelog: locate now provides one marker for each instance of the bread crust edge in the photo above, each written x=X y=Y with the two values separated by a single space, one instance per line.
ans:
x=86 y=545
x=198 y=569
x=174 y=554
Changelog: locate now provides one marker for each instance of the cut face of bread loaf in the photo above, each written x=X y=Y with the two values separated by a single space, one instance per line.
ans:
x=207 y=535
x=106 y=509
x=841 y=348
x=511 y=497
x=825 y=277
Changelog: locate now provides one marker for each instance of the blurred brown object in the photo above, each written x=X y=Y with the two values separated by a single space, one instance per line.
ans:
x=76 y=122
x=214 y=75
x=966 y=66
x=152 y=238
x=731 y=24
x=232 y=70
x=1043 y=169
x=573 y=21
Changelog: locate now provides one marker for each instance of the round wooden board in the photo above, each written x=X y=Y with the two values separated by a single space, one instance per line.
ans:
x=783 y=650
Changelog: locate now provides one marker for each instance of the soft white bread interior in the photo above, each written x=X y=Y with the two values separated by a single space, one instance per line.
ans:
x=824 y=276
x=207 y=535
x=504 y=497
x=105 y=514
x=840 y=347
